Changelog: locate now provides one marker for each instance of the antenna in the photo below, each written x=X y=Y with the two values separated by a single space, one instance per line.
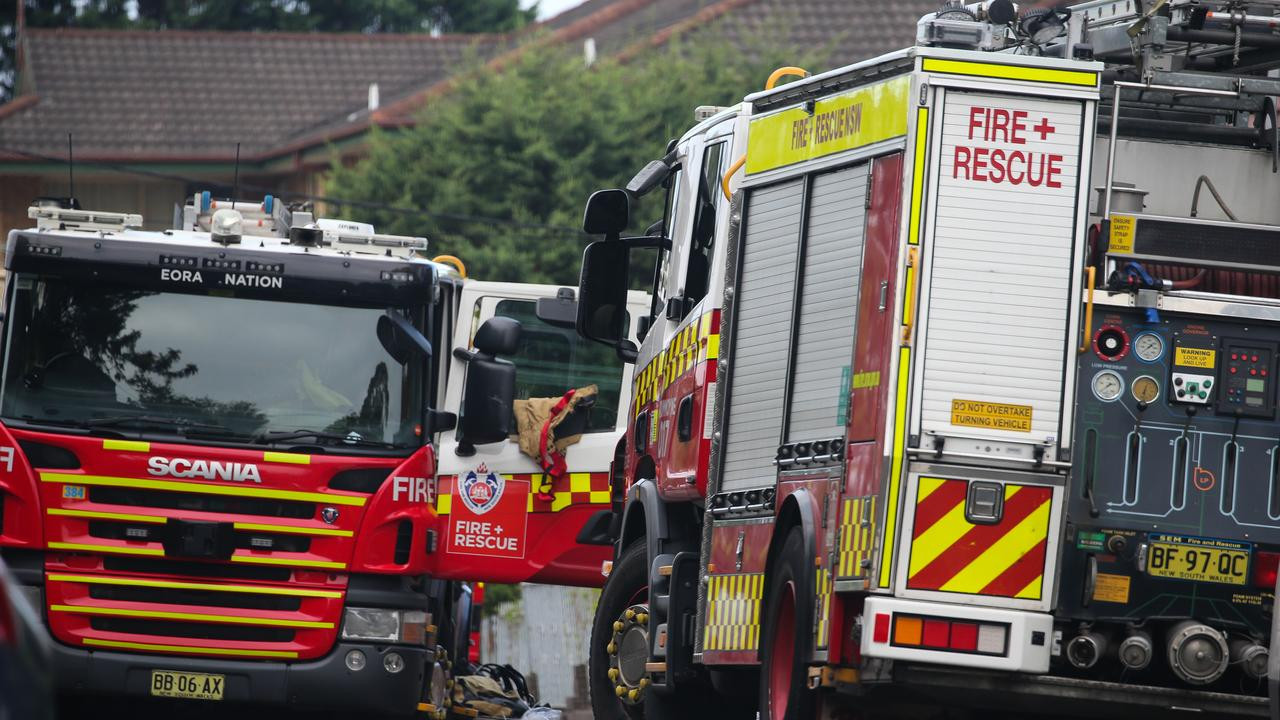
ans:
x=235 y=183
x=71 y=169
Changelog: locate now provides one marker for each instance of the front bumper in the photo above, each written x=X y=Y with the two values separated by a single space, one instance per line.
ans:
x=325 y=683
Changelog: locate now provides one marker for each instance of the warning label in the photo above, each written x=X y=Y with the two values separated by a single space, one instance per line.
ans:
x=1195 y=357
x=993 y=416
x=499 y=529
x=1122 y=233
x=1111 y=588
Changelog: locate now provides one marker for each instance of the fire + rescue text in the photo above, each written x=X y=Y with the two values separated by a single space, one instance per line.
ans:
x=1007 y=165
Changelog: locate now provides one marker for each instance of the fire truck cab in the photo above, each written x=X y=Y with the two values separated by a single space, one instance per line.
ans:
x=222 y=447
x=961 y=418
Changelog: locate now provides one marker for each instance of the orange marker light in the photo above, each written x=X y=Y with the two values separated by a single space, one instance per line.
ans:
x=907 y=630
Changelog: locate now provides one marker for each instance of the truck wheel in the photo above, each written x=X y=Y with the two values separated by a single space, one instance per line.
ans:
x=615 y=683
x=786 y=643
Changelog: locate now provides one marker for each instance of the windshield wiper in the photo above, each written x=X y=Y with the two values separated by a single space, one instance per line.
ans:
x=182 y=425
x=277 y=436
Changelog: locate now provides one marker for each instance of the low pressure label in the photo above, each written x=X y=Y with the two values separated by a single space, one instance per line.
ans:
x=992 y=416
x=1195 y=358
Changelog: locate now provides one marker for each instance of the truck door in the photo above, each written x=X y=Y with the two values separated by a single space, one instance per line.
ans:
x=502 y=517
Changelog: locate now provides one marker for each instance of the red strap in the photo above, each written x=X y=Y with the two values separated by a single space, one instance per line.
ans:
x=549 y=458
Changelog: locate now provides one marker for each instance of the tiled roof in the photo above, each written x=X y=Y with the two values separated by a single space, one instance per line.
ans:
x=136 y=95
x=844 y=31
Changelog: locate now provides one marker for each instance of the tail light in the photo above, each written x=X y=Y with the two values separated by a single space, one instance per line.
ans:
x=1265 y=565
x=936 y=633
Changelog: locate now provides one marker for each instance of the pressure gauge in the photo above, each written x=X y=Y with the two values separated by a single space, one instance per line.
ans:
x=1107 y=385
x=1146 y=389
x=1148 y=347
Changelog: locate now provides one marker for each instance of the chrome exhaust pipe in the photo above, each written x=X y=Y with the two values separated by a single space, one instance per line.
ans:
x=1198 y=654
x=1086 y=649
x=1136 y=650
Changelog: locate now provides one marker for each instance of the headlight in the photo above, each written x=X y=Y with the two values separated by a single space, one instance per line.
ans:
x=408 y=627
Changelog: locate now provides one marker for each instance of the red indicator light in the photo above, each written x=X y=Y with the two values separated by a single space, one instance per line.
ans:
x=964 y=636
x=1253 y=359
x=935 y=633
x=880 y=633
x=1265 y=565
x=1235 y=356
x=1252 y=371
x=1233 y=371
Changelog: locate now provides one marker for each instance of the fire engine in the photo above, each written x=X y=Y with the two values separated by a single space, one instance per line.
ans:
x=227 y=451
x=957 y=382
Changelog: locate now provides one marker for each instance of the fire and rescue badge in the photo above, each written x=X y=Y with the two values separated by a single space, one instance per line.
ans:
x=481 y=489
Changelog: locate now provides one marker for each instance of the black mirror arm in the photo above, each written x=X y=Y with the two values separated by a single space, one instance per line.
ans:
x=464 y=354
x=648 y=241
x=410 y=332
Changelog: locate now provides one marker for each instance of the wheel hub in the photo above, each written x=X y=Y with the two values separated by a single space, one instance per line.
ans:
x=628 y=652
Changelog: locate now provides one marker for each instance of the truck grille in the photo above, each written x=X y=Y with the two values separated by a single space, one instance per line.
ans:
x=202 y=598
x=186 y=568
x=202 y=565
x=196 y=616
x=160 y=628
x=202 y=503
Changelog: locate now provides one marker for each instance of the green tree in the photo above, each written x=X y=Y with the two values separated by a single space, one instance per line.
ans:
x=384 y=16
x=528 y=145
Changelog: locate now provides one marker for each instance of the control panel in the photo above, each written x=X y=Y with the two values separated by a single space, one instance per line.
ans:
x=1246 y=379
x=1176 y=449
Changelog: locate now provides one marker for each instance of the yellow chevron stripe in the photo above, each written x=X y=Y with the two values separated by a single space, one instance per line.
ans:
x=942 y=535
x=152 y=647
x=927 y=486
x=198 y=617
x=247 y=589
x=175 y=486
x=1003 y=553
x=1032 y=590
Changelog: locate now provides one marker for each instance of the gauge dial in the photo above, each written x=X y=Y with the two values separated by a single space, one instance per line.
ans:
x=1148 y=347
x=1146 y=389
x=1107 y=385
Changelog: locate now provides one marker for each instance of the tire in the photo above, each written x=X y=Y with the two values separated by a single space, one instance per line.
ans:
x=786 y=642
x=627 y=585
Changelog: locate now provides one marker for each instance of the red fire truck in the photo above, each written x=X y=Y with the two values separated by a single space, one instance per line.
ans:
x=221 y=448
x=952 y=389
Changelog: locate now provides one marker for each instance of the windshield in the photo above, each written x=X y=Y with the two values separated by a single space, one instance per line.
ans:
x=100 y=354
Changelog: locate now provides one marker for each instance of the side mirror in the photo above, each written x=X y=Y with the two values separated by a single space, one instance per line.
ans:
x=400 y=338
x=559 y=311
x=649 y=177
x=602 y=291
x=607 y=213
x=489 y=391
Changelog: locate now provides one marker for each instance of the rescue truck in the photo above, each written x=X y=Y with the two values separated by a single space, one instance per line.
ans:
x=227 y=451
x=956 y=387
